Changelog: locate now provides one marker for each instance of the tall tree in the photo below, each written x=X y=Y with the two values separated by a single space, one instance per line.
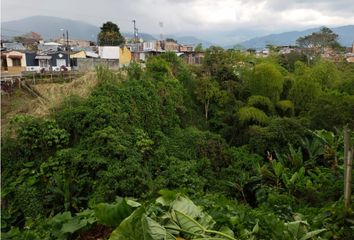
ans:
x=319 y=40
x=266 y=81
x=207 y=91
x=110 y=35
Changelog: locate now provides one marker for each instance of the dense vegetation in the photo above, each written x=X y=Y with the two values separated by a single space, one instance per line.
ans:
x=239 y=147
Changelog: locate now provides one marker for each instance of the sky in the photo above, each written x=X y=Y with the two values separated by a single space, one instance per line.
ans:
x=234 y=20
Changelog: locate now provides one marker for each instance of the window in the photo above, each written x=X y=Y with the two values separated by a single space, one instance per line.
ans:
x=16 y=62
x=61 y=62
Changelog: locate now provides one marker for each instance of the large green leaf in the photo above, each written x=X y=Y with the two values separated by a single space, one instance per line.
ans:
x=138 y=226
x=113 y=214
x=73 y=225
x=188 y=224
x=187 y=207
x=152 y=229
x=312 y=234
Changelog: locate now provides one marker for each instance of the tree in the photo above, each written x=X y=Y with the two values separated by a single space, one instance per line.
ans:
x=171 y=40
x=199 y=48
x=325 y=73
x=304 y=91
x=266 y=81
x=29 y=40
x=319 y=40
x=110 y=35
x=207 y=90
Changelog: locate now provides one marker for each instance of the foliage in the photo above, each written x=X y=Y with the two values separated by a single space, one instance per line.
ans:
x=252 y=115
x=285 y=108
x=110 y=35
x=267 y=81
x=262 y=103
x=254 y=169
x=323 y=38
x=324 y=111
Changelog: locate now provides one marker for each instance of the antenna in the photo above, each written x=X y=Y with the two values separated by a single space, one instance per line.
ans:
x=161 y=26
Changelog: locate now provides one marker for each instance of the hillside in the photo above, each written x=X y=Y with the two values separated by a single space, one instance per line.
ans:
x=346 y=37
x=21 y=102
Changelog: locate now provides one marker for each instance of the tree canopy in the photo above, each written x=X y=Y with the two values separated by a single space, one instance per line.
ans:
x=110 y=35
x=325 y=37
x=267 y=81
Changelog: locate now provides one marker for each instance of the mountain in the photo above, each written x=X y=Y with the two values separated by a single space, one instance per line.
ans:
x=145 y=36
x=190 y=40
x=346 y=37
x=49 y=28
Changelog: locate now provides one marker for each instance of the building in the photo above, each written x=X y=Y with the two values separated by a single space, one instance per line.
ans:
x=13 y=62
x=125 y=56
x=192 y=57
x=186 y=48
x=109 y=52
x=122 y=54
x=170 y=46
x=13 y=46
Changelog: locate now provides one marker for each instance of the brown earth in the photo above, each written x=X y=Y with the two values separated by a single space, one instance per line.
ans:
x=20 y=101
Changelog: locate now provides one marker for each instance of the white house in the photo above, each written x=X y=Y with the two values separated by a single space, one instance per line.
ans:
x=109 y=52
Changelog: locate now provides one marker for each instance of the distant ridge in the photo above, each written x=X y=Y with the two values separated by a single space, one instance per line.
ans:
x=49 y=27
x=346 y=37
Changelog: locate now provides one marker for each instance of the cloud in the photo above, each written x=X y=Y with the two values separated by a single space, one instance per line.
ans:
x=199 y=17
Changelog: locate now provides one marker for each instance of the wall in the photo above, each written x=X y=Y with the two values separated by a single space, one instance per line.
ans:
x=89 y=64
x=125 y=56
x=108 y=52
x=80 y=54
x=15 y=69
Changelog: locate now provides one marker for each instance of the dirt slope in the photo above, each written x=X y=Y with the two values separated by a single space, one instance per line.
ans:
x=21 y=102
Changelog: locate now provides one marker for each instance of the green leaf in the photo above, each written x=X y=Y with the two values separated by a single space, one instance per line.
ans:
x=152 y=229
x=293 y=227
x=255 y=228
x=113 y=214
x=187 y=223
x=73 y=225
x=312 y=234
x=130 y=228
x=139 y=227
x=189 y=209
x=227 y=231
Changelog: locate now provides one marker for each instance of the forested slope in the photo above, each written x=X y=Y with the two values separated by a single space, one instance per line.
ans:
x=239 y=147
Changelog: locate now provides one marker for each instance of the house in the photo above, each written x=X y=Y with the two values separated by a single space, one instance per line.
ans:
x=192 y=57
x=13 y=46
x=121 y=54
x=286 y=49
x=152 y=46
x=170 y=46
x=109 y=52
x=32 y=62
x=13 y=62
x=80 y=54
x=76 y=57
x=186 y=48
x=53 y=61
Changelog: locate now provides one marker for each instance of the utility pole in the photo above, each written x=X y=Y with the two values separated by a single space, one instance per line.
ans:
x=135 y=32
x=348 y=163
x=67 y=47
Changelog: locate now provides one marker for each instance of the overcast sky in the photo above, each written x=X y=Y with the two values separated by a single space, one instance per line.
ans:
x=203 y=18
